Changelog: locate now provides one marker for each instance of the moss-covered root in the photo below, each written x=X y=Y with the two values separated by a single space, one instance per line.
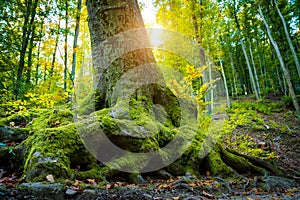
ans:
x=222 y=162
x=259 y=162
x=104 y=173
x=54 y=151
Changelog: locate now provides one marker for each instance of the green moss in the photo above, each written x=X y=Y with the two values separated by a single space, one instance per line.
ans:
x=240 y=164
x=50 y=151
x=19 y=118
x=217 y=166
x=94 y=173
x=52 y=118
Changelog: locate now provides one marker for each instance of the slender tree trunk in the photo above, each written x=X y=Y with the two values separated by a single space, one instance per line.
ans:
x=246 y=56
x=211 y=96
x=250 y=70
x=75 y=41
x=284 y=69
x=38 y=64
x=66 y=47
x=282 y=88
x=225 y=83
x=26 y=32
x=289 y=40
x=31 y=45
x=54 y=52
x=233 y=73
x=254 y=69
x=37 y=67
x=77 y=27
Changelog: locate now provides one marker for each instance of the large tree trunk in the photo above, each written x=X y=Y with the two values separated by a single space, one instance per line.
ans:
x=107 y=19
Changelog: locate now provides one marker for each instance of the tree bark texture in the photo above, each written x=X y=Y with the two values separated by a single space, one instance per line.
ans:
x=109 y=18
x=283 y=67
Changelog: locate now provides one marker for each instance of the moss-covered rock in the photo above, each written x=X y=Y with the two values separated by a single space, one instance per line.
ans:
x=52 y=118
x=12 y=158
x=17 y=135
x=52 y=150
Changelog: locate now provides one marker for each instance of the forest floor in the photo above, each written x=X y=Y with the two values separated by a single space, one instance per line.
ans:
x=270 y=135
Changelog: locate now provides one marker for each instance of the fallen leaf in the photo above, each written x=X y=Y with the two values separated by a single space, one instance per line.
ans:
x=207 y=195
x=50 y=178
x=5 y=179
x=77 y=182
x=91 y=181
x=192 y=184
x=109 y=186
x=207 y=173
x=164 y=186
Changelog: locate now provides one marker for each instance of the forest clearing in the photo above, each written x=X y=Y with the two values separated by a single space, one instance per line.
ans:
x=156 y=100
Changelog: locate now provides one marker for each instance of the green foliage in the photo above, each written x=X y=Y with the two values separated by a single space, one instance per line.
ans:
x=288 y=102
x=33 y=101
x=264 y=108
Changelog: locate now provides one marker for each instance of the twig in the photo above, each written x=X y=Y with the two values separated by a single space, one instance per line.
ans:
x=227 y=185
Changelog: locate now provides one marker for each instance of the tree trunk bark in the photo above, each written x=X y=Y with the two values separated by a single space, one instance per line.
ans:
x=289 y=40
x=284 y=69
x=225 y=83
x=66 y=47
x=235 y=90
x=254 y=69
x=77 y=27
x=26 y=32
x=54 y=52
x=108 y=19
x=252 y=81
x=31 y=46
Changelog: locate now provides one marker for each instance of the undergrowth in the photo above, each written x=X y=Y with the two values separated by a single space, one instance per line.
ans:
x=248 y=116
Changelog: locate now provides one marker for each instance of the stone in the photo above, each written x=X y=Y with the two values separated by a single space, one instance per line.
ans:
x=70 y=192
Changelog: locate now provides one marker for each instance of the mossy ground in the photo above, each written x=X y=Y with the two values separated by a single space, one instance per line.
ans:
x=54 y=146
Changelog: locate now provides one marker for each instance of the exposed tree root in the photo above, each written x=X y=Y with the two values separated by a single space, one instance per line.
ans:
x=258 y=162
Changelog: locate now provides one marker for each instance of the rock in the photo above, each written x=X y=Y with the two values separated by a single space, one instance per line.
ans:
x=37 y=154
x=277 y=139
x=87 y=194
x=89 y=191
x=119 y=113
x=50 y=178
x=9 y=134
x=70 y=192
x=47 y=159
x=12 y=158
x=43 y=191
x=275 y=183
x=147 y=196
x=137 y=179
